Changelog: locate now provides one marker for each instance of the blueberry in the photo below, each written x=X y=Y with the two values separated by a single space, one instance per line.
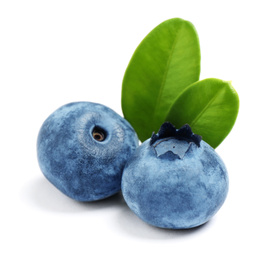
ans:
x=82 y=149
x=175 y=180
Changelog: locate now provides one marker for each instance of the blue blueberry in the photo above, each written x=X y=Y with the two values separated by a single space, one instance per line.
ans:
x=175 y=180
x=82 y=149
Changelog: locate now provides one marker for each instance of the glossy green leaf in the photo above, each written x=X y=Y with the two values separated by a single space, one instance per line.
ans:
x=210 y=107
x=163 y=65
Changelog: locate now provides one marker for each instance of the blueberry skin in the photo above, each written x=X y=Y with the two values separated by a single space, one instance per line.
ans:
x=174 y=183
x=80 y=166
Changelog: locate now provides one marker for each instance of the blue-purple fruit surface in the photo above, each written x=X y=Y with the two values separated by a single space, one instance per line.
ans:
x=175 y=180
x=82 y=149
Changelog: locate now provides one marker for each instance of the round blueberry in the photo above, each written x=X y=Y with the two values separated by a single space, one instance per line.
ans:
x=82 y=149
x=175 y=180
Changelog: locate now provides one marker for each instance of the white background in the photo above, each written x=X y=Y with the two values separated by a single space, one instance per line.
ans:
x=55 y=52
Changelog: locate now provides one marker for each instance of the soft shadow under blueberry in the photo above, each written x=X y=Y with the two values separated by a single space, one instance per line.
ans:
x=41 y=193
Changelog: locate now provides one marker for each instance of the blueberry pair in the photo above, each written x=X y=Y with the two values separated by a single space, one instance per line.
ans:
x=173 y=180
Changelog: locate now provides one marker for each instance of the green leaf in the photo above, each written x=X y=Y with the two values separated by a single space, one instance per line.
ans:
x=163 y=65
x=210 y=107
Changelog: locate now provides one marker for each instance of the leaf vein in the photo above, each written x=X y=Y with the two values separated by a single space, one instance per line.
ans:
x=165 y=75
x=194 y=121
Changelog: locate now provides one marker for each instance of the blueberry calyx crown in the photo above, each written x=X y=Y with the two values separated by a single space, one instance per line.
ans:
x=184 y=133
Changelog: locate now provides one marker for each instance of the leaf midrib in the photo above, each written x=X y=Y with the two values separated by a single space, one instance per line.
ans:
x=194 y=121
x=165 y=75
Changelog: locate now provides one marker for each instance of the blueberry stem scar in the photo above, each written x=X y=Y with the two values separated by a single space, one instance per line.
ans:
x=184 y=133
x=98 y=134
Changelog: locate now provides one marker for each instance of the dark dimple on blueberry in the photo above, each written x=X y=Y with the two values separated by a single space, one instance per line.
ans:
x=99 y=134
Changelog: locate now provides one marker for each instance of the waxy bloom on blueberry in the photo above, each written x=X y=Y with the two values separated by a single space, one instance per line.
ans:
x=82 y=149
x=175 y=180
